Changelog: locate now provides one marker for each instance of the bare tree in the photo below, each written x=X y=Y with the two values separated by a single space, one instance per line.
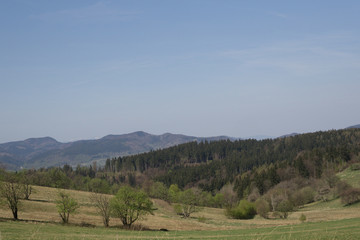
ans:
x=27 y=188
x=12 y=192
x=102 y=203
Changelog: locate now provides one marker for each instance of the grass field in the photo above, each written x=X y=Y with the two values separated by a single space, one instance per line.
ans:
x=339 y=229
x=40 y=220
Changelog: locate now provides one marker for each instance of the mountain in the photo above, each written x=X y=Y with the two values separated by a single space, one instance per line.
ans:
x=289 y=135
x=355 y=126
x=13 y=154
x=47 y=152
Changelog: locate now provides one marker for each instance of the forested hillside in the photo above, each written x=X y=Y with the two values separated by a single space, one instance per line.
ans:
x=210 y=165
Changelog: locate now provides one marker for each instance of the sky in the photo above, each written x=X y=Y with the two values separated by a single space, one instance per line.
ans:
x=84 y=69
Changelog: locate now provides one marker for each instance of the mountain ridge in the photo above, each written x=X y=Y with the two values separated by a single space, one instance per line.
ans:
x=48 y=152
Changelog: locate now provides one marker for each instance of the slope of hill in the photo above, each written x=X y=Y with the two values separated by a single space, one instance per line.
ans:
x=47 y=152
x=211 y=165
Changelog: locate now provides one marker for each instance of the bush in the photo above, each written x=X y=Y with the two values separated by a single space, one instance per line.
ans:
x=342 y=187
x=262 y=207
x=303 y=196
x=355 y=167
x=285 y=207
x=245 y=210
x=350 y=196
x=302 y=218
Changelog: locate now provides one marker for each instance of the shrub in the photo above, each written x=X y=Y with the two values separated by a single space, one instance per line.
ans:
x=355 y=167
x=244 y=210
x=342 y=187
x=262 y=207
x=302 y=218
x=303 y=196
x=350 y=196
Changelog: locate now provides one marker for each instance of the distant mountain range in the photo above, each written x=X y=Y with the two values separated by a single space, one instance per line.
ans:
x=47 y=152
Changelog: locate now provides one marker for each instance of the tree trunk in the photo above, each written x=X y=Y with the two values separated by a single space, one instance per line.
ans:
x=15 y=214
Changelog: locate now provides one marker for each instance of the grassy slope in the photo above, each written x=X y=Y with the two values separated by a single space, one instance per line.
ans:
x=325 y=220
x=352 y=177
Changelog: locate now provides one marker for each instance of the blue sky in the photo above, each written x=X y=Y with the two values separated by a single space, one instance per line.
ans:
x=84 y=69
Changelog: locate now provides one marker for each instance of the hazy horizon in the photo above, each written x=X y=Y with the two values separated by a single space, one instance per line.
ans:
x=76 y=70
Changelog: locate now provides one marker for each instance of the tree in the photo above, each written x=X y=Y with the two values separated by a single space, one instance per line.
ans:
x=12 y=192
x=130 y=204
x=262 y=207
x=174 y=192
x=160 y=191
x=102 y=203
x=285 y=207
x=26 y=187
x=98 y=185
x=187 y=203
x=66 y=205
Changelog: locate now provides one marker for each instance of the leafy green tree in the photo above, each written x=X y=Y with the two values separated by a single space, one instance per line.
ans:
x=66 y=205
x=187 y=203
x=174 y=192
x=160 y=191
x=130 y=204
x=219 y=200
x=98 y=185
x=285 y=207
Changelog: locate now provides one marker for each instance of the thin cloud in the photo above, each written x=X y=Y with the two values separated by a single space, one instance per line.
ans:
x=98 y=12
x=277 y=14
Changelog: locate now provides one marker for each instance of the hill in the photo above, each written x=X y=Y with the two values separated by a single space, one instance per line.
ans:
x=210 y=165
x=47 y=152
